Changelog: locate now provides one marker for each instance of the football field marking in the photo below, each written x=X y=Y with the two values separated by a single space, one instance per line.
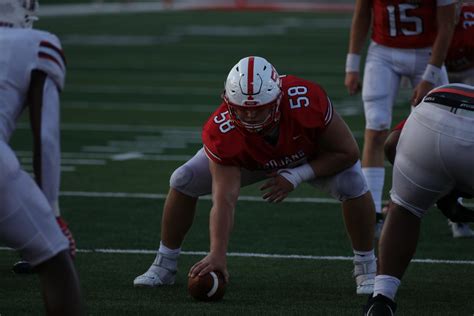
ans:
x=162 y=196
x=256 y=255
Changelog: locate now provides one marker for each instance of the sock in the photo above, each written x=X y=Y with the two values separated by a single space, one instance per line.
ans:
x=361 y=256
x=375 y=177
x=386 y=285
x=167 y=251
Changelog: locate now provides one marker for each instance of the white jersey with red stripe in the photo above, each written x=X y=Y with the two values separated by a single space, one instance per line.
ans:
x=24 y=50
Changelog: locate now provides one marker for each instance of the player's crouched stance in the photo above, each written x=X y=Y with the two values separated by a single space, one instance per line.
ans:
x=441 y=128
x=283 y=129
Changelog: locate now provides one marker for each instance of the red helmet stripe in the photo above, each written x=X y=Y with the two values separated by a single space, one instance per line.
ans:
x=250 y=77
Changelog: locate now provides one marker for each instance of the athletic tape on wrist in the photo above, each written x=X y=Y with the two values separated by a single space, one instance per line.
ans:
x=352 y=62
x=298 y=174
x=432 y=74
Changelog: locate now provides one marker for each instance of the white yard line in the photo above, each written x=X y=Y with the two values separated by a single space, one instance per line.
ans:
x=257 y=255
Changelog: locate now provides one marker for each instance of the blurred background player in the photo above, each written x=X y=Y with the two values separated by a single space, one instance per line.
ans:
x=408 y=39
x=28 y=53
x=32 y=73
x=442 y=128
x=284 y=127
x=460 y=65
x=460 y=59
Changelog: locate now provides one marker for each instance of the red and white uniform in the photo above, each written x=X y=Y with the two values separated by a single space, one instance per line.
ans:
x=441 y=128
x=27 y=222
x=301 y=122
x=404 y=24
x=402 y=36
x=460 y=59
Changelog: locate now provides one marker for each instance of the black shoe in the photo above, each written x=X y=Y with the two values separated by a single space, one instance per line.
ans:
x=22 y=267
x=380 y=306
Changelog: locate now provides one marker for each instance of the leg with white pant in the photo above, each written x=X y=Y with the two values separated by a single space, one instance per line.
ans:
x=187 y=184
x=349 y=187
x=380 y=87
x=27 y=224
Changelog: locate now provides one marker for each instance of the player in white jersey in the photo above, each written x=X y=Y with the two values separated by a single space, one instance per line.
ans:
x=434 y=157
x=32 y=70
x=27 y=52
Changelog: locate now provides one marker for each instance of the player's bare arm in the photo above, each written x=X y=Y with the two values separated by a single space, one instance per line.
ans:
x=446 y=21
x=359 y=30
x=338 y=151
x=225 y=191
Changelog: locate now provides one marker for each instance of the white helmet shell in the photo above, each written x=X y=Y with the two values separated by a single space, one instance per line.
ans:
x=252 y=83
x=18 y=13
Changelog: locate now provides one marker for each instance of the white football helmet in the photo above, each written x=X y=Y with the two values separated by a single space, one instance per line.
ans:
x=253 y=85
x=18 y=13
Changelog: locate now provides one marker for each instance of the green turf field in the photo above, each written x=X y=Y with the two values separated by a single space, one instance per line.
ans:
x=139 y=87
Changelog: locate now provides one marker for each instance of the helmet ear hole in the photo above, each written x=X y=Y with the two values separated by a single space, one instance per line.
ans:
x=18 y=13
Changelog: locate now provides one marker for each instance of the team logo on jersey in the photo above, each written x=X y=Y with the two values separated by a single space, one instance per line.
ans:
x=286 y=161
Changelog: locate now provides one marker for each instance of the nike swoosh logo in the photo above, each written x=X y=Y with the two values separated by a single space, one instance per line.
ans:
x=296 y=137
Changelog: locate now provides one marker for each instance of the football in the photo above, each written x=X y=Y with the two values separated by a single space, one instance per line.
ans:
x=209 y=287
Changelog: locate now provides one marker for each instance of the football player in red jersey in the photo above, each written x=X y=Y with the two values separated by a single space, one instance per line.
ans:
x=441 y=128
x=460 y=59
x=32 y=70
x=410 y=39
x=282 y=129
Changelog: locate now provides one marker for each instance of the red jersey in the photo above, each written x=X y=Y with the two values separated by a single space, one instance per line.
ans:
x=305 y=112
x=400 y=125
x=461 y=51
x=404 y=23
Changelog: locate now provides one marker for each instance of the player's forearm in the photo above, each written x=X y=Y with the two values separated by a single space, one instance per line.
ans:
x=220 y=227
x=360 y=27
x=330 y=163
x=446 y=26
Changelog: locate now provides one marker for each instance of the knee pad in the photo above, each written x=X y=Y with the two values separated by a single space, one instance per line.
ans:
x=378 y=113
x=191 y=181
x=181 y=178
x=9 y=164
x=350 y=183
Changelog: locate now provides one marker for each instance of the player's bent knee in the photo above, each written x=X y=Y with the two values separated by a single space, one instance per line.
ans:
x=181 y=178
x=350 y=183
x=377 y=112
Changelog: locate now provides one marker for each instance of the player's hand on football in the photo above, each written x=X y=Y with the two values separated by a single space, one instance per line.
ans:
x=352 y=82
x=277 y=188
x=211 y=262
x=420 y=91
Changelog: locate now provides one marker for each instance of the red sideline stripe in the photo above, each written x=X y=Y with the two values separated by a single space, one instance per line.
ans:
x=315 y=7
x=455 y=91
x=56 y=49
x=250 y=77
x=50 y=57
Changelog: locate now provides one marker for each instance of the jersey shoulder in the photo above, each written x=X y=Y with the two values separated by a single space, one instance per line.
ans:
x=221 y=139
x=51 y=58
x=35 y=49
x=306 y=102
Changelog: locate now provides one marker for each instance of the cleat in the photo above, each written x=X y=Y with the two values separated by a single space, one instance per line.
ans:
x=364 y=273
x=460 y=230
x=161 y=272
x=380 y=305
x=22 y=267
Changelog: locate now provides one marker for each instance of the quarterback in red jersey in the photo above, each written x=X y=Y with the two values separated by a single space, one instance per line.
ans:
x=283 y=130
x=460 y=59
x=409 y=39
